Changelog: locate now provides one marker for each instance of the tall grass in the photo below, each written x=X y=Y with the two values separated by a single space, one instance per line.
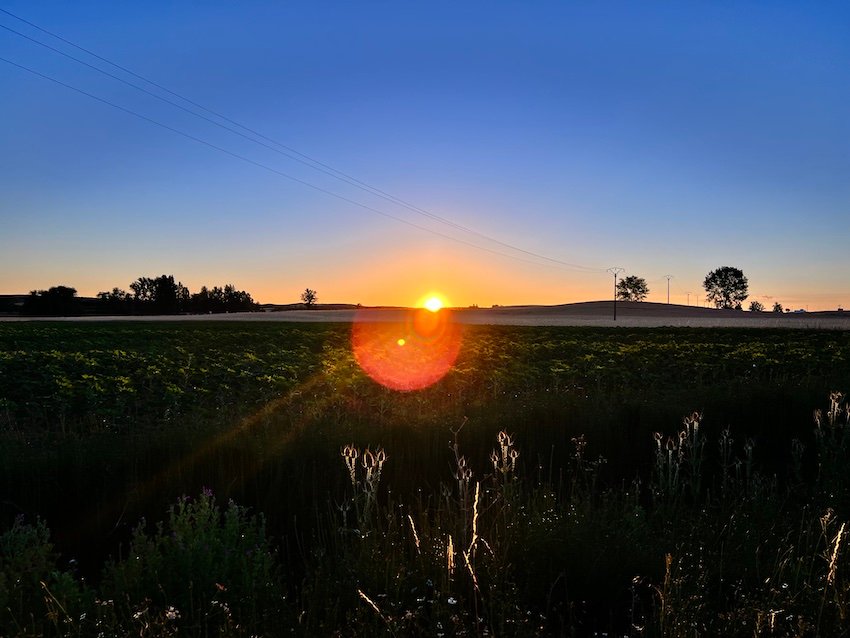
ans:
x=490 y=550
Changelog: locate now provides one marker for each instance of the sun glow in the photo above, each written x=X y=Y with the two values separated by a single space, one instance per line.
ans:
x=433 y=304
x=432 y=301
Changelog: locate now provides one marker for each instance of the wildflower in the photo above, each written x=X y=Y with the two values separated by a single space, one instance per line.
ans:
x=504 y=460
x=349 y=455
x=463 y=472
x=580 y=444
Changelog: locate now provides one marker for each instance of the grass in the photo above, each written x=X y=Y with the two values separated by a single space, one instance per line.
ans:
x=558 y=481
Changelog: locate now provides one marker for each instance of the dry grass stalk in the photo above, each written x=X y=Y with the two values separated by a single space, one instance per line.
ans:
x=474 y=541
x=835 y=399
x=664 y=590
x=471 y=571
x=372 y=604
x=415 y=535
x=833 y=561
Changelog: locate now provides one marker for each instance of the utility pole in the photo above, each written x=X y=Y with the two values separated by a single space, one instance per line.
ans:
x=689 y=298
x=615 y=270
x=668 y=278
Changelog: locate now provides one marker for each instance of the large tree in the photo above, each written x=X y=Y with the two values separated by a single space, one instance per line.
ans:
x=58 y=300
x=309 y=297
x=117 y=301
x=726 y=287
x=227 y=299
x=632 y=288
x=160 y=295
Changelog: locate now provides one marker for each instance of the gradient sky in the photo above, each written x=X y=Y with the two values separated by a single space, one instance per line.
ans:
x=666 y=138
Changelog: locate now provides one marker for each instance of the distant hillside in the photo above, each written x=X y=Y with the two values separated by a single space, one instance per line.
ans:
x=644 y=309
x=283 y=307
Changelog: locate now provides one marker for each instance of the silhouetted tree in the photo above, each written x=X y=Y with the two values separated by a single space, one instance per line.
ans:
x=756 y=306
x=227 y=299
x=166 y=295
x=309 y=297
x=150 y=295
x=115 y=302
x=143 y=290
x=201 y=301
x=726 y=287
x=777 y=307
x=632 y=288
x=161 y=295
x=55 y=301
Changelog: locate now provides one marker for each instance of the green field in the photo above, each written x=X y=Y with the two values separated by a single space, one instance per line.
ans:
x=584 y=520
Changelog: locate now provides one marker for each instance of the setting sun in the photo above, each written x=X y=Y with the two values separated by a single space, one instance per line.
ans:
x=432 y=303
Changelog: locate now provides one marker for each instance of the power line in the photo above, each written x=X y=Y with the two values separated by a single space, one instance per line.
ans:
x=346 y=179
x=288 y=152
x=264 y=166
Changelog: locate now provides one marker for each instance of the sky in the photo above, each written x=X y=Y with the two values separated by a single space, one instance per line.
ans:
x=534 y=145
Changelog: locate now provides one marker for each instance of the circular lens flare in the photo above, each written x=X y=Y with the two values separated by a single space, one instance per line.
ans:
x=406 y=355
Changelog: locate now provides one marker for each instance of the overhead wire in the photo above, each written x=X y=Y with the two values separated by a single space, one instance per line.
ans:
x=265 y=166
x=289 y=152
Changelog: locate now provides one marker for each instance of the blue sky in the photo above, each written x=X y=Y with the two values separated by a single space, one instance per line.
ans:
x=667 y=138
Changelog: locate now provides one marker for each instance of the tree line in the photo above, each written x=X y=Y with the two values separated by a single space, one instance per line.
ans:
x=725 y=287
x=161 y=295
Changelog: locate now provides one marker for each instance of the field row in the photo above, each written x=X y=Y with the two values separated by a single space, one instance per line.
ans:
x=78 y=378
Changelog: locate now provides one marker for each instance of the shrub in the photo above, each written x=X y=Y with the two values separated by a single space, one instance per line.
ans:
x=208 y=569
x=36 y=597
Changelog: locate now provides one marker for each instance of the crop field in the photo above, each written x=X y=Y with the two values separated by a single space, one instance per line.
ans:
x=236 y=478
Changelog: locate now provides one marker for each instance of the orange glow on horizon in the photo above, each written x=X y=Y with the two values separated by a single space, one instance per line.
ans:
x=408 y=275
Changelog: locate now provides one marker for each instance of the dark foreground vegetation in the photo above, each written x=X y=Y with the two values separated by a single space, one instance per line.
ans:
x=558 y=481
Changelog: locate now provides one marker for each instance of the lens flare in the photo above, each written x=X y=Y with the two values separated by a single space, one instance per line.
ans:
x=406 y=355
